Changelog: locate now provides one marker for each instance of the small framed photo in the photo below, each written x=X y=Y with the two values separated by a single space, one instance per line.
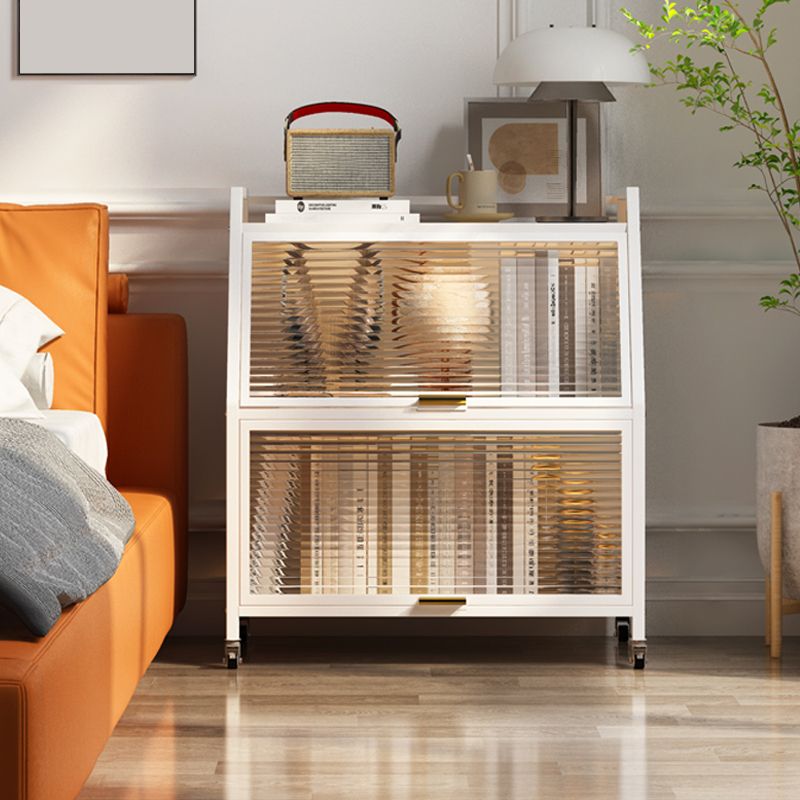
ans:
x=106 y=37
x=527 y=143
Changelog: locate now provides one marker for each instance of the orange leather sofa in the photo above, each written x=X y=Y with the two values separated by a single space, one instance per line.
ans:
x=61 y=695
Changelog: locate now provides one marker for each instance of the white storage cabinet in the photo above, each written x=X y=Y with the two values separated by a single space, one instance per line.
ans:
x=430 y=419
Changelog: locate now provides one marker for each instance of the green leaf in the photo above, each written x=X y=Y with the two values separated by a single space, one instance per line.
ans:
x=722 y=85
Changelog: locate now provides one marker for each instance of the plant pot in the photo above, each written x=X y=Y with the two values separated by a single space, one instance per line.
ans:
x=778 y=470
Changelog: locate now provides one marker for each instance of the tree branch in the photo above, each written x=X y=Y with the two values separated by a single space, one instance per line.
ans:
x=758 y=44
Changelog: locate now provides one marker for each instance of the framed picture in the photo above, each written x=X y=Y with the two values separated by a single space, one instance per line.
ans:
x=527 y=143
x=106 y=37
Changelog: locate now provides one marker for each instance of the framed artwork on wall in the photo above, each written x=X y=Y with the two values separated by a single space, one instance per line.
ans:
x=106 y=37
x=527 y=143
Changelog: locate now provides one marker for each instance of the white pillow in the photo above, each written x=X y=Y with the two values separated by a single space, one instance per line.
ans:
x=39 y=379
x=14 y=398
x=23 y=330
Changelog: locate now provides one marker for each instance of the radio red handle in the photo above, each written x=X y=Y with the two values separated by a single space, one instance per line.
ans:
x=334 y=107
x=343 y=108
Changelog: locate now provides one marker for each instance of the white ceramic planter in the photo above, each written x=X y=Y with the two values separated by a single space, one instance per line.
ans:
x=778 y=470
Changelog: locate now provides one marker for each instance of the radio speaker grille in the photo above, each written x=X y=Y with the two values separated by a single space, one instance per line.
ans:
x=334 y=164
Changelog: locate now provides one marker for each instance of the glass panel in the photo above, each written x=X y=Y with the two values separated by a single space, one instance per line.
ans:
x=400 y=318
x=534 y=513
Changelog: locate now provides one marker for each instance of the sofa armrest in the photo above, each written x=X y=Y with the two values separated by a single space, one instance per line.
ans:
x=148 y=415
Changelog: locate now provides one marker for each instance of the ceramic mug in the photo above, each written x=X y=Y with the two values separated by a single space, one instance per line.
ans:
x=477 y=191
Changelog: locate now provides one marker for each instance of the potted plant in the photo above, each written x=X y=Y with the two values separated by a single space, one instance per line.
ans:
x=716 y=43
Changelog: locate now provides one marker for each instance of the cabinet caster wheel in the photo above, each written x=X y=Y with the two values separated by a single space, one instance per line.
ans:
x=623 y=628
x=638 y=655
x=233 y=655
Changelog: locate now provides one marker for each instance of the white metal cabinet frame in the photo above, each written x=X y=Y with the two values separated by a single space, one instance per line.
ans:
x=625 y=413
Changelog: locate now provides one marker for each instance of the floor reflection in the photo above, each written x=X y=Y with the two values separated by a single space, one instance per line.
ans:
x=437 y=719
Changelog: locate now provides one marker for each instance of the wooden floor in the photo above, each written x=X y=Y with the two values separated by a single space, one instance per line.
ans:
x=459 y=719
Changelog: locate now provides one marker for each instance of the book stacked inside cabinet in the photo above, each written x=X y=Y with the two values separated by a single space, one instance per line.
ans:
x=550 y=323
x=431 y=419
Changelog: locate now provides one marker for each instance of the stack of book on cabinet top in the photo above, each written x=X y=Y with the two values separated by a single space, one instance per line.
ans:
x=342 y=211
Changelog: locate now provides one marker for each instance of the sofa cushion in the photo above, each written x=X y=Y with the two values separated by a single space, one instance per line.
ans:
x=87 y=667
x=57 y=257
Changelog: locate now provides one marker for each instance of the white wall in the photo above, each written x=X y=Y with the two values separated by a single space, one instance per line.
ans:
x=256 y=61
x=162 y=152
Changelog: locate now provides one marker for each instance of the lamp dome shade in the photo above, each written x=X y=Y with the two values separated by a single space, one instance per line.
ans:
x=571 y=55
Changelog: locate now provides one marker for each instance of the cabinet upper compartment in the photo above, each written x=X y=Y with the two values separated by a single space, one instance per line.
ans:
x=407 y=318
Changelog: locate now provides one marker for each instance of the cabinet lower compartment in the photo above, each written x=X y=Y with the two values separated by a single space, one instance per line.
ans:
x=434 y=514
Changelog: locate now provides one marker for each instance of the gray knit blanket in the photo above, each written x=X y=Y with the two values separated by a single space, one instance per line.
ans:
x=63 y=526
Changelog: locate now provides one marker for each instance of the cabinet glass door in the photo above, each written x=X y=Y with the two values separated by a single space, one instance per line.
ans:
x=435 y=513
x=378 y=319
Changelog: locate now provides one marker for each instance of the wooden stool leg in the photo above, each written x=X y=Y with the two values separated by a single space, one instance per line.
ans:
x=776 y=578
x=767 y=609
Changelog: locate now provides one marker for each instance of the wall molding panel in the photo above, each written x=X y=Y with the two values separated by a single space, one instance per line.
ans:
x=183 y=233
x=209 y=516
x=737 y=277
x=152 y=205
x=734 y=276
x=173 y=245
x=147 y=272
x=175 y=251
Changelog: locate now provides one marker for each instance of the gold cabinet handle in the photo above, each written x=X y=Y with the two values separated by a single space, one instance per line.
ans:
x=441 y=402
x=442 y=600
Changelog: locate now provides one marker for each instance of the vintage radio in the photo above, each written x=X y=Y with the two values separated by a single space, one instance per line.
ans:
x=340 y=162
